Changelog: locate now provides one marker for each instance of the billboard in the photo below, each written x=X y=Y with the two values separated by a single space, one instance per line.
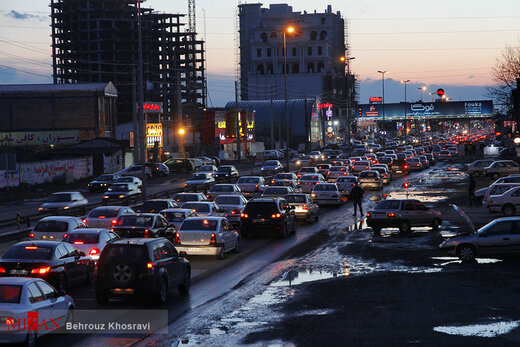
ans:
x=38 y=138
x=451 y=109
x=154 y=134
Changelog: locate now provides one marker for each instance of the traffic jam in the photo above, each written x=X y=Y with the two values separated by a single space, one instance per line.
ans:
x=123 y=249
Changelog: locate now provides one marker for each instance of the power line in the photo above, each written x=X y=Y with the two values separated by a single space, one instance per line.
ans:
x=24 y=71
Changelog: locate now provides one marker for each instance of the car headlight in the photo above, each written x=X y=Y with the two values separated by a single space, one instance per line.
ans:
x=105 y=196
x=121 y=196
x=40 y=208
x=66 y=207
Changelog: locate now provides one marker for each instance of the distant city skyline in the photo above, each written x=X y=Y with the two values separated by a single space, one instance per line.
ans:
x=449 y=44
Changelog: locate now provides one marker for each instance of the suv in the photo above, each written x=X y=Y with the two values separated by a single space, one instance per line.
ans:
x=264 y=215
x=179 y=165
x=102 y=182
x=402 y=214
x=141 y=266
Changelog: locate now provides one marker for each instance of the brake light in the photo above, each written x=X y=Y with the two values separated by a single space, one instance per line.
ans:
x=146 y=231
x=305 y=207
x=65 y=235
x=490 y=201
x=9 y=321
x=406 y=166
x=2 y=270
x=235 y=212
x=93 y=251
x=391 y=215
x=272 y=181
x=85 y=220
x=369 y=214
x=256 y=187
x=344 y=174
x=149 y=265
x=277 y=215
x=78 y=242
x=207 y=196
x=31 y=235
x=213 y=238
x=244 y=215
x=31 y=247
x=41 y=271
x=114 y=221
x=328 y=172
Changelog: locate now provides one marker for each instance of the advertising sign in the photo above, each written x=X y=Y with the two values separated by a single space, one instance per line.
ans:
x=152 y=107
x=38 y=138
x=154 y=134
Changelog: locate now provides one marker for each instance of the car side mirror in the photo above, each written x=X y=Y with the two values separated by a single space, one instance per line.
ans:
x=183 y=254
x=61 y=293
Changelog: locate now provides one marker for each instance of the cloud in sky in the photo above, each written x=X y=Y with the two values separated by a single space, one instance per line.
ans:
x=24 y=15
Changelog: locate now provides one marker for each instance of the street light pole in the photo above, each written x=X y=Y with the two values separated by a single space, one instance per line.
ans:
x=349 y=127
x=383 y=72
x=423 y=88
x=142 y=121
x=289 y=30
x=405 y=82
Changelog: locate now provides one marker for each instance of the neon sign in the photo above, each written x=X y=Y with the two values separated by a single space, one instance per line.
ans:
x=152 y=107
x=376 y=99
x=325 y=105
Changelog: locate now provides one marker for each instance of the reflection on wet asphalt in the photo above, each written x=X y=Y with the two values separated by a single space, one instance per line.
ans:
x=481 y=330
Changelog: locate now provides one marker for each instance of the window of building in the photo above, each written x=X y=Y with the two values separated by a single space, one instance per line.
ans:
x=321 y=66
x=323 y=35
x=263 y=36
x=294 y=51
x=322 y=20
x=295 y=68
x=269 y=69
x=258 y=52
x=313 y=35
x=310 y=67
x=269 y=52
x=309 y=50
x=320 y=50
x=260 y=69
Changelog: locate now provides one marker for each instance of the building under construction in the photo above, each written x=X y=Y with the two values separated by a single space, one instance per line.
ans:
x=96 y=41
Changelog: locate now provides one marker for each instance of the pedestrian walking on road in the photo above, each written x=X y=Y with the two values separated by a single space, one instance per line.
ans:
x=357 y=196
x=471 y=189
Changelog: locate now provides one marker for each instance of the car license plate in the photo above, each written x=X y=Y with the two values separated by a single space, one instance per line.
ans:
x=18 y=272
x=259 y=220
x=398 y=172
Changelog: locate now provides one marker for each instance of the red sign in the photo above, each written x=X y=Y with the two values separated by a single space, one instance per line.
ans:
x=325 y=105
x=376 y=99
x=152 y=107
x=440 y=92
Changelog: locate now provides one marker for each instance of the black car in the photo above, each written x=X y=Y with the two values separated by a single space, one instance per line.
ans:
x=400 y=166
x=156 y=205
x=148 y=267
x=266 y=215
x=179 y=165
x=145 y=225
x=56 y=262
x=102 y=182
x=226 y=172
x=508 y=153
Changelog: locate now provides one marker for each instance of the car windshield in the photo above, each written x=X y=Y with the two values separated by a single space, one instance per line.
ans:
x=119 y=188
x=224 y=169
x=174 y=216
x=10 y=294
x=388 y=205
x=47 y=226
x=81 y=238
x=59 y=197
x=133 y=220
x=283 y=177
x=125 y=180
x=199 y=224
x=325 y=187
x=103 y=212
x=28 y=252
x=197 y=207
x=296 y=198
x=247 y=180
x=186 y=197
x=227 y=200
x=197 y=177
x=221 y=188
x=104 y=178
x=275 y=191
x=271 y=163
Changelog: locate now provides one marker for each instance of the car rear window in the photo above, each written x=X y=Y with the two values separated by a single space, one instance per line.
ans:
x=252 y=180
x=103 y=213
x=227 y=200
x=186 y=197
x=368 y=175
x=154 y=205
x=309 y=178
x=337 y=168
x=10 y=294
x=362 y=163
x=199 y=224
x=308 y=169
x=267 y=208
x=296 y=198
x=124 y=251
x=283 y=177
x=138 y=221
x=49 y=226
x=28 y=252
x=174 y=216
x=81 y=238
x=223 y=188
x=388 y=205
x=197 y=207
x=278 y=191
x=325 y=187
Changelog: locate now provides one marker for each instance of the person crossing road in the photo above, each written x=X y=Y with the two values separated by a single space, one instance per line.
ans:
x=357 y=196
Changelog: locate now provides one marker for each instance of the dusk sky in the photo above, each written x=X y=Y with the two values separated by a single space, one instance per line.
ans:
x=449 y=44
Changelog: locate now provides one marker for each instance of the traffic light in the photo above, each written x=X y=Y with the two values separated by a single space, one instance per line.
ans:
x=360 y=112
x=406 y=185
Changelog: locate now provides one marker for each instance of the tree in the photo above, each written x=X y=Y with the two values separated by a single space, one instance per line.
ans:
x=505 y=72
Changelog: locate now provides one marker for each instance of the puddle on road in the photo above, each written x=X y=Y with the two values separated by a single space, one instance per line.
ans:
x=480 y=330
x=295 y=277
x=454 y=260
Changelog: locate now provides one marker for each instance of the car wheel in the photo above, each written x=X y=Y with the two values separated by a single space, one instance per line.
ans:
x=496 y=175
x=122 y=274
x=101 y=298
x=283 y=233
x=30 y=340
x=184 y=288
x=466 y=253
x=237 y=247
x=221 y=254
x=435 y=224
x=405 y=227
x=70 y=316
x=162 y=295
x=62 y=282
x=508 y=210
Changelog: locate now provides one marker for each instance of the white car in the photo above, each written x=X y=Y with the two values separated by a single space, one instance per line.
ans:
x=477 y=167
x=135 y=170
x=501 y=168
x=123 y=192
x=175 y=216
x=359 y=166
x=251 y=185
x=317 y=155
x=272 y=154
x=21 y=295
x=199 y=181
x=371 y=179
x=207 y=236
x=233 y=205
x=272 y=167
x=335 y=172
x=307 y=170
x=105 y=216
x=183 y=198
x=205 y=208
x=508 y=202
x=286 y=178
x=54 y=228
x=64 y=201
x=326 y=193
x=130 y=179
x=497 y=189
x=90 y=241
x=223 y=188
x=346 y=183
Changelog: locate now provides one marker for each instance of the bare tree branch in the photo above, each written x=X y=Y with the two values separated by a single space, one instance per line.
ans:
x=505 y=72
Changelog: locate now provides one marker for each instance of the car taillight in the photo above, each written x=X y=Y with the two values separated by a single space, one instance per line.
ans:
x=146 y=231
x=213 y=238
x=256 y=188
x=78 y=242
x=272 y=181
x=328 y=172
x=305 y=207
x=149 y=265
x=93 y=251
x=85 y=221
x=31 y=235
x=490 y=201
x=2 y=270
x=368 y=214
x=391 y=215
x=406 y=166
x=114 y=221
x=177 y=238
x=244 y=215
x=277 y=215
x=235 y=212
x=41 y=270
x=344 y=174
x=207 y=196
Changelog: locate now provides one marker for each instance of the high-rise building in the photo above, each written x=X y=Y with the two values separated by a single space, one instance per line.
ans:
x=96 y=41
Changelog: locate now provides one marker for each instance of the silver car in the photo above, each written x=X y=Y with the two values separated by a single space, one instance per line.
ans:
x=307 y=170
x=54 y=228
x=199 y=181
x=326 y=193
x=105 y=216
x=183 y=198
x=64 y=201
x=335 y=172
x=308 y=181
x=384 y=173
x=205 y=208
x=209 y=169
x=500 y=237
x=277 y=191
x=371 y=179
x=361 y=165
x=233 y=205
x=477 y=167
x=346 y=183
x=90 y=241
x=175 y=216
x=271 y=167
x=221 y=189
x=251 y=185
x=304 y=206
x=285 y=177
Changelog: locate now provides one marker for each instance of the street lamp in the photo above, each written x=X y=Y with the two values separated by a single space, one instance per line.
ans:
x=432 y=94
x=383 y=72
x=289 y=30
x=349 y=128
x=423 y=88
x=405 y=82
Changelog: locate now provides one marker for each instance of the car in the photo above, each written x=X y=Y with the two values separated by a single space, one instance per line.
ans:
x=54 y=228
x=20 y=296
x=508 y=179
x=308 y=181
x=414 y=164
x=507 y=202
x=124 y=192
x=156 y=205
x=346 y=183
x=267 y=216
x=272 y=154
x=102 y=182
x=400 y=166
x=199 y=180
x=136 y=170
x=501 y=168
x=304 y=206
x=233 y=205
x=207 y=236
x=226 y=172
x=146 y=267
x=326 y=193
x=205 y=208
x=453 y=151
x=307 y=170
x=158 y=169
x=196 y=163
x=180 y=165
x=359 y=166
x=56 y=262
x=334 y=154
x=209 y=169
x=206 y=160
x=335 y=172
x=182 y=198
x=497 y=189
x=372 y=158
x=130 y=179
x=145 y=225
x=272 y=167
x=90 y=241
x=105 y=216
x=508 y=153
x=403 y=214
x=444 y=155
x=387 y=160
x=251 y=185
x=64 y=201
x=175 y=216
x=291 y=184
x=323 y=169
x=317 y=156
x=498 y=238
x=285 y=178
x=384 y=173
x=431 y=158
x=371 y=179
x=477 y=167
x=302 y=160
x=424 y=161
x=277 y=191
x=223 y=188
x=360 y=149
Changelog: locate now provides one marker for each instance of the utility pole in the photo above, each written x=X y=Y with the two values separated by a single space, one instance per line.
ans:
x=142 y=132
x=134 y=116
x=271 y=112
x=180 y=123
x=237 y=120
